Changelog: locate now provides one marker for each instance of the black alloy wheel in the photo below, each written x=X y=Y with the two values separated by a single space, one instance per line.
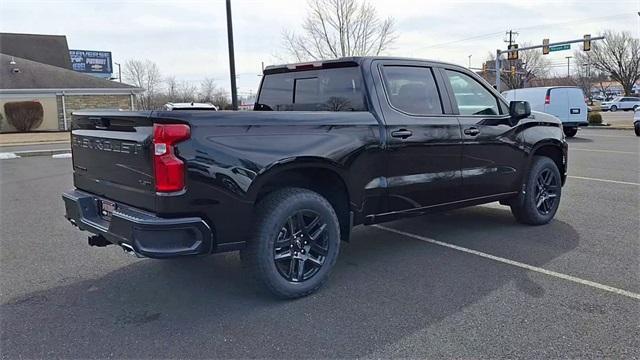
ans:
x=301 y=247
x=546 y=188
x=295 y=242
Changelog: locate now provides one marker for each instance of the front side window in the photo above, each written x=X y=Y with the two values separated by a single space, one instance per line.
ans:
x=337 y=89
x=471 y=96
x=412 y=90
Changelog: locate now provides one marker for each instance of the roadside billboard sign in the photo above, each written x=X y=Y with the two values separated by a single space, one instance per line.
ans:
x=92 y=62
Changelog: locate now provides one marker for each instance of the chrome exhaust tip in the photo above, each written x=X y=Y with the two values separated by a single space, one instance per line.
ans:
x=130 y=250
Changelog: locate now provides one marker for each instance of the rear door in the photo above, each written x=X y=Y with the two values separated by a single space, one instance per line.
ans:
x=577 y=106
x=558 y=103
x=423 y=151
x=112 y=156
x=493 y=150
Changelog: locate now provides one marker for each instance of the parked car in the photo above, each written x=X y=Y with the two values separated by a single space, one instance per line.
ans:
x=565 y=102
x=189 y=106
x=636 y=121
x=331 y=145
x=621 y=103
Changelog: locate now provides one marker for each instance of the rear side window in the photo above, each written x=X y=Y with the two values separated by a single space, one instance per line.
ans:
x=471 y=96
x=317 y=90
x=412 y=90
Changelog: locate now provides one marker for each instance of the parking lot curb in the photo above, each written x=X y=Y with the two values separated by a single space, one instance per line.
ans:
x=10 y=144
x=607 y=127
x=28 y=153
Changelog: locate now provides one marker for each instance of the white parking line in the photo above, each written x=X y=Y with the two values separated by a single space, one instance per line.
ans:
x=606 y=151
x=612 y=136
x=604 y=180
x=516 y=263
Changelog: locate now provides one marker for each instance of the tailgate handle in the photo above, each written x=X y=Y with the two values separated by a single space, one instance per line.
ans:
x=100 y=123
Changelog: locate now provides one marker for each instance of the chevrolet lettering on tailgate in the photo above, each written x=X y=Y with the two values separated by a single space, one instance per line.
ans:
x=106 y=145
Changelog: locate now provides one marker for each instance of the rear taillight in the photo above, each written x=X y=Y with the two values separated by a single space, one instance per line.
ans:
x=168 y=168
x=547 y=99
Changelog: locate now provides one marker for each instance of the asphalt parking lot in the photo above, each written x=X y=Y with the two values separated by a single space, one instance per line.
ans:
x=466 y=283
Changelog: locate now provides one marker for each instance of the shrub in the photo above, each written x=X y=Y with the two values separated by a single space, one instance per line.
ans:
x=24 y=115
x=595 y=118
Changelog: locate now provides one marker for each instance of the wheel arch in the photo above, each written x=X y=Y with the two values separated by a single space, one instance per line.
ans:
x=317 y=174
x=554 y=149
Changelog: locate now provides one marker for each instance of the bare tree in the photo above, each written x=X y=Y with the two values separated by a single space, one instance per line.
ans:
x=339 y=28
x=221 y=99
x=172 y=87
x=207 y=89
x=618 y=55
x=530 y=65
x=144 y=74
x=186 y=92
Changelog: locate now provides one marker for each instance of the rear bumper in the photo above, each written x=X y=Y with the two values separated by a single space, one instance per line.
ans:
x=147 y=234
x=574 y=123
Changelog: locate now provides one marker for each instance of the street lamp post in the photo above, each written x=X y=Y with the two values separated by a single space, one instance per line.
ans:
x=470 y=61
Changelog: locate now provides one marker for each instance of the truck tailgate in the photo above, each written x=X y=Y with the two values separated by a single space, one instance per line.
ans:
x=112 y=157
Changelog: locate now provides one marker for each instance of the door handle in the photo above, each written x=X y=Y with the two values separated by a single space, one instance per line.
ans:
x=471 y=131
x=402 y=133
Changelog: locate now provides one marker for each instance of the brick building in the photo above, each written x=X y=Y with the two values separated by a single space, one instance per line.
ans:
x=27 y=75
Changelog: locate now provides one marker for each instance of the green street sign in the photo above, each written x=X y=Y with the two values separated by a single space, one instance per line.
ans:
x=560 y=47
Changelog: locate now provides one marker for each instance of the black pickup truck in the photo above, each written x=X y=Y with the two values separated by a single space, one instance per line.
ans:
x=329 y=145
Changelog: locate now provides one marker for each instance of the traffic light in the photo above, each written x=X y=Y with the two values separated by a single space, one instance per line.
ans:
x=513 y=71
x=545 y=48
x=513 y=55
x=484 y=67
x=586 y=44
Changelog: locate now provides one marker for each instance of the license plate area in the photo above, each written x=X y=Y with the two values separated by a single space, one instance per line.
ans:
x=106 y=208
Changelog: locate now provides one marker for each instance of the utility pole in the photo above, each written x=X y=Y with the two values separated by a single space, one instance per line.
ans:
x=568 y=65
x=232 y=61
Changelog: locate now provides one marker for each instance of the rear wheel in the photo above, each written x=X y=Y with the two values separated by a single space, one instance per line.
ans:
x=540 y=200
x=613 y=108
x=636 y=127
x=570 y=131
x=295 y=242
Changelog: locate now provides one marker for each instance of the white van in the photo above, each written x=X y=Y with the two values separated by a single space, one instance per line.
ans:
x=565 y=102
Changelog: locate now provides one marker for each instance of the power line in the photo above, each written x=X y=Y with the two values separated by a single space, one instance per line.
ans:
x=586 y=20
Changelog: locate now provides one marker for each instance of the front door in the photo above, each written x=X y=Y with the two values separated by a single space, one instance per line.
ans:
x=423 y=147
x=493 y=155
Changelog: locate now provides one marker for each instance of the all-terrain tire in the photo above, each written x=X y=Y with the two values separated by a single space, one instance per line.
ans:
x=538 y=204
x=273 y=221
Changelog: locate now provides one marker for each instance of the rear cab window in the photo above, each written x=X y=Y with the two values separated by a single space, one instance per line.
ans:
x=333 y=89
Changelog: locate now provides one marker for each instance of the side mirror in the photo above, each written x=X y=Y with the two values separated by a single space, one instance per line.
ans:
x=519 y=110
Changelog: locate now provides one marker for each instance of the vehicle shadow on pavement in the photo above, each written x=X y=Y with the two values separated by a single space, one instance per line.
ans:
x=578 y=139
x=384 y=288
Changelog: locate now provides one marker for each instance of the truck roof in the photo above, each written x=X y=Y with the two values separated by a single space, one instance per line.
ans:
x=339 y=62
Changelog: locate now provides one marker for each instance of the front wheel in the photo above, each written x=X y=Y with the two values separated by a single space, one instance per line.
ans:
x=539 y=202
x=636 y=127
x=295 y=242
x=613 y=108
x=570 y=131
